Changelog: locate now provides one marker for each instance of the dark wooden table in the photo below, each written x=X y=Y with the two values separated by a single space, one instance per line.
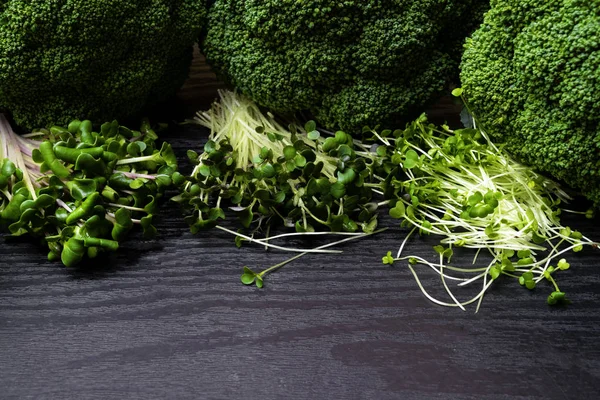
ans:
x=169 y=318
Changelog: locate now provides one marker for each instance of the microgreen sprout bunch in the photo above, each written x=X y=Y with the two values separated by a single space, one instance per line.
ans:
x=82 y=190
x=459 y=185
x=269 y=173
x=240 y=122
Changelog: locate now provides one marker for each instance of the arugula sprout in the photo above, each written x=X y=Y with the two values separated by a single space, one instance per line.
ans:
x=80 y=190
x=459 y=185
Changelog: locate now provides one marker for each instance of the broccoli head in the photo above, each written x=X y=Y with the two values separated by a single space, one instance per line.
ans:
x=350 y=63
x=93 y=59
x=531 y=75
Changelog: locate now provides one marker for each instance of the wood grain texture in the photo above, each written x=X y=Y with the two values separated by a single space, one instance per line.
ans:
x=169 y=318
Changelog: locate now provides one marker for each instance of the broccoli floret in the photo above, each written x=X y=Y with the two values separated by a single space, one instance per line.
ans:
x=93 y=59
x=350 y=63
x=531 y=74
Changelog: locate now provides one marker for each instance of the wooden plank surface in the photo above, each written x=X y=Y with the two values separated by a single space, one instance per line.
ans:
x=168 y=318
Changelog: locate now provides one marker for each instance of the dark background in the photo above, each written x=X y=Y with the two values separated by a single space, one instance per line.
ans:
x=169 y=318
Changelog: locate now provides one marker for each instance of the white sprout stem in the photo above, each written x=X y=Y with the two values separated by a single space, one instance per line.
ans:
x=111 y=218
x=63 y=205
x=25 y=149
x=126 y=207
x=431 y=298
x=446 y=285
x=267 y=234
x=6 y=194
x=134 y=175
x=252 y=240
x=33 y=134
x=360 y=235
x=309 y=234
x=12 y=153
x=404 y=242
x=436 y=267
x=476 y=255
x=473 y=279
x=281 y=264
x=114 y=218
x=482 y=293
x=441 y=303
x=134 y=160
x=382 y=139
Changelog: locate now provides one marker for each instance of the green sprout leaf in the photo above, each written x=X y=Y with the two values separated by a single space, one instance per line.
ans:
x=525 y=253
x=149 y=231
x=457 y=92
x=300 y=160
x=122 y=224
x=557 y=298
x=526 y=279
x=245 y=216
x=313 y=135
x=346 y=177
x=411 y=160
x=73 y=252
x=259 y=281
x=82 y=188
x=398 y=211
x=563 y=264
x=310 y=126
x=248 y=276
x=338 y=190
x=495 y=271
x=507 y=265
x=289 y=152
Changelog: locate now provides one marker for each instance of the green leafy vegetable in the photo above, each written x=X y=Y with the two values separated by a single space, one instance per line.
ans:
x=349 y=63
x=530 y=75
x=101 y=59
x=459 y=185
x=88 y=190
x=268 y=175
x=271 y=175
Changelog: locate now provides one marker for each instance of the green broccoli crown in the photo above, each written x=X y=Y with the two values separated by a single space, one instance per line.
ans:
x=350 y=63
x=531 y=74
x=93 y=59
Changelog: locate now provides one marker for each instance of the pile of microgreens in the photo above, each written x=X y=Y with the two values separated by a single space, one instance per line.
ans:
x=269 y=175
x=79 y=190
x=82 y=191
x=459 y=185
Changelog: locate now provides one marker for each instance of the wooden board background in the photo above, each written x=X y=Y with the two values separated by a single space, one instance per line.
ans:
x=169 y=319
